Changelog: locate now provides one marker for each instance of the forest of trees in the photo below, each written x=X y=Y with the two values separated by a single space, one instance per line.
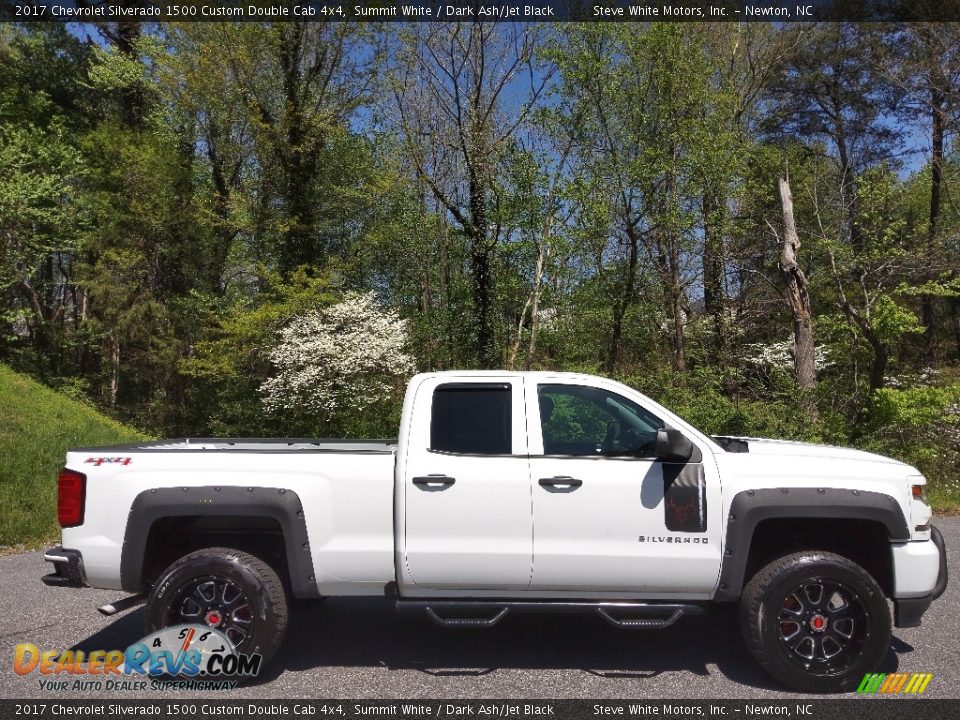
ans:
x=757 y=225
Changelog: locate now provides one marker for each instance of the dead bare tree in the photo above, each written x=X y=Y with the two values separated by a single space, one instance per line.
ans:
x=797 y=295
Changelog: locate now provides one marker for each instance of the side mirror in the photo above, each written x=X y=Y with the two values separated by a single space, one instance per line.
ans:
x=672 y=446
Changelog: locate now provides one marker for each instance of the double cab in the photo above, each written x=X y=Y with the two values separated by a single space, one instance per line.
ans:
x=516 y=492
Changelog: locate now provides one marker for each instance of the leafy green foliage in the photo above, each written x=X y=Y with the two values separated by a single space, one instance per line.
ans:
x=756 y=409
x=921 y=426
x=171 y=198
x=231 y=360
x=38 y=217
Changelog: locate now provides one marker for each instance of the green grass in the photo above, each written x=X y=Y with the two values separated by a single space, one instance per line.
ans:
x=37 y=426
x=944 y=498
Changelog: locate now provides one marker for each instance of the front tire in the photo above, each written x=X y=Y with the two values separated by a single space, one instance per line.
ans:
x=228 y=589
x=816 y=621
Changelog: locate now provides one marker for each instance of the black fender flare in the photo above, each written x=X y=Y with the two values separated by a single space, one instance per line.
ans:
x=751 y=507
x=278 y=504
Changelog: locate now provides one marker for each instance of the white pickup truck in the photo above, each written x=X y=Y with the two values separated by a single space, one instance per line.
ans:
x=515 y=492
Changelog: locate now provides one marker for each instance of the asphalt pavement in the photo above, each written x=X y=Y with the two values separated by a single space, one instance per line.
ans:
x=362 y=648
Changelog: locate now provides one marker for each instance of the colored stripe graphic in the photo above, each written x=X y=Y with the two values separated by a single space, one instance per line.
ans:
x=894 y=683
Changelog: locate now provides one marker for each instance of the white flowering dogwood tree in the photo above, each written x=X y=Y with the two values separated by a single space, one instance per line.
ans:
x=780 y=355
x=339 y=359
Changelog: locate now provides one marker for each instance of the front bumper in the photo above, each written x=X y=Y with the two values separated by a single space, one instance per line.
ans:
x=908 y=612
x=941 y=585
x=67 y=566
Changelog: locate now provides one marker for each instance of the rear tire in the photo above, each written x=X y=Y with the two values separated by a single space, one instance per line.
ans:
x=237 y=589
x=816 y=621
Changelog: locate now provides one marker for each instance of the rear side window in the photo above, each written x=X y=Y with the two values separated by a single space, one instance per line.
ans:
x=471 y=419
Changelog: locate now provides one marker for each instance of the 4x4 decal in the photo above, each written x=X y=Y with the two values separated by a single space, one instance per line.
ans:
x=98 y=461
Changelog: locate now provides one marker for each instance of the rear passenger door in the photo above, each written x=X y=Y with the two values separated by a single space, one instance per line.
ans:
x=467 y=497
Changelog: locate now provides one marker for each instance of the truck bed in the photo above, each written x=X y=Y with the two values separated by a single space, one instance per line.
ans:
x=259 y=445
x=344 y=487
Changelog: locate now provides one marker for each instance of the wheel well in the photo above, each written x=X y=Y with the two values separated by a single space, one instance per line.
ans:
x=866 y=542
x=171 y=538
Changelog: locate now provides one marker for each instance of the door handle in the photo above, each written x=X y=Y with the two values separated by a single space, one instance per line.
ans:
x=430 y=480
x=564 y=481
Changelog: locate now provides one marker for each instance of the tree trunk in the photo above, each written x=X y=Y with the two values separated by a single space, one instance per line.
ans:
x=670 y=270
x=530 y=308
x=535 y=305
x=936 y=184
x=298 y=157
x=480 y=269
x=515 y=345
x=449 y=354
x=543 y=252
x=42 y=334
x=713 y=274
x=878 y=368
x=623 y=301
x=679 y=320
x=426 y=277
x=668 y=266
x=798 y=297
x=848 y=178
x=224 y=184
x=114 y=369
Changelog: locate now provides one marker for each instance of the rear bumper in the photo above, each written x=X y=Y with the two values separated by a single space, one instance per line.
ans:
x=67 y=568
x=908 y=612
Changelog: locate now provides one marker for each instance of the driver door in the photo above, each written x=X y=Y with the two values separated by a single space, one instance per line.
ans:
x=599 y=518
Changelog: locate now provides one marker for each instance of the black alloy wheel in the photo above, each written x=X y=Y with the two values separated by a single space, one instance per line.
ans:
x=230 y=590
x=217 y=603
x=816 y=621
x=823 y=626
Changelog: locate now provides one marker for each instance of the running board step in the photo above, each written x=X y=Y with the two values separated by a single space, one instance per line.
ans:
x=122 y=604
x=466 y=622
x=641 y=623
x=487 y=613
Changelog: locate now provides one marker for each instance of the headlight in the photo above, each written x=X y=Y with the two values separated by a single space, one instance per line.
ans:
x=920 y=512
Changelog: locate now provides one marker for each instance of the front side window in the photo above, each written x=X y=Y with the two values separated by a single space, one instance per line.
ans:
x=582 y=420
x=473 y=419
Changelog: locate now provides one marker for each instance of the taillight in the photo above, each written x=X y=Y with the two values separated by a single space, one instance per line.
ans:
x=71 y=493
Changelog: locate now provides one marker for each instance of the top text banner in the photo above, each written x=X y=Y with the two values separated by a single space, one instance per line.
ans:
x=476 y=11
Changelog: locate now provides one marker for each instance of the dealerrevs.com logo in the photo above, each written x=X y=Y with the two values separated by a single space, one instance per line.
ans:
x=894 y=683
x=192 y=657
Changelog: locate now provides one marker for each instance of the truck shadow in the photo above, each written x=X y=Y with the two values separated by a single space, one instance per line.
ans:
x=368 y=632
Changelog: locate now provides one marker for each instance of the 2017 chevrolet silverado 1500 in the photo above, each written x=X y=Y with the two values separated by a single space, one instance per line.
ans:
x=510 y=492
